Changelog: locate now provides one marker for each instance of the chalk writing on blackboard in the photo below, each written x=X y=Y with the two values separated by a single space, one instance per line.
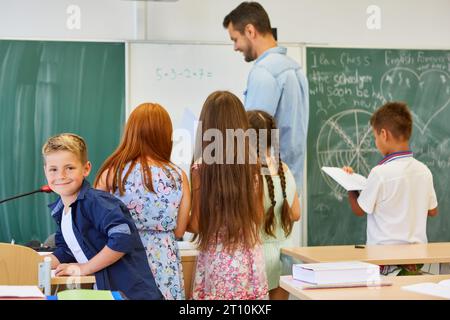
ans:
x=182 y=73
x=345 y=139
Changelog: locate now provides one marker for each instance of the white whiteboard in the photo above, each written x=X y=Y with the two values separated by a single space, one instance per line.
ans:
x=181 y=76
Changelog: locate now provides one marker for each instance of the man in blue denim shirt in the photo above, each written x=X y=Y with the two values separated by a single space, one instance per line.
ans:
x=275 y=84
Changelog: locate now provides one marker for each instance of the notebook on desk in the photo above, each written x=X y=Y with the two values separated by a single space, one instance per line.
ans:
x=88 y=294
x=440 y=289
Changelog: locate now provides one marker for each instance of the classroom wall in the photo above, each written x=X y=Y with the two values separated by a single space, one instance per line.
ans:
x=47 y=19
x=404 y=23
x=408 y=23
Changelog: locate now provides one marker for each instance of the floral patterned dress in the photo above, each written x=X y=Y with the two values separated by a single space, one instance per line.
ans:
x=155 y=216
x=237 y=275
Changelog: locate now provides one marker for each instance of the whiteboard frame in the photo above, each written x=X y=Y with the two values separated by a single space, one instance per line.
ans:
x=300 y=232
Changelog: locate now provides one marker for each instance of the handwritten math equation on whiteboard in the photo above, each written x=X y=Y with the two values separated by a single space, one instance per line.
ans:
x=185 y=73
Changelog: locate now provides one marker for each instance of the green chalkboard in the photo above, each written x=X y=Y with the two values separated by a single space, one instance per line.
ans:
x=49 y=87
x=346 y=86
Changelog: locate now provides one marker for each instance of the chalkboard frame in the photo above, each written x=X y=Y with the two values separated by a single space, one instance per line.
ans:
x=307 y=212
x=28 y=218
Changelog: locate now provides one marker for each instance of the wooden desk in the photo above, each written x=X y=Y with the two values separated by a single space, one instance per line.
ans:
x=437 y=252
x=67 y=279
x=188 y=261
x=393 y=292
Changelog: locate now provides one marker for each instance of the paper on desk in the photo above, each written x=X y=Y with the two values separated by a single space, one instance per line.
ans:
x=21 y=292
x=350 y=182
x=440 y=289
x=306 y=285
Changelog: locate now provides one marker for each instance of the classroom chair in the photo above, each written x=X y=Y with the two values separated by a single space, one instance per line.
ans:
x=18 y=265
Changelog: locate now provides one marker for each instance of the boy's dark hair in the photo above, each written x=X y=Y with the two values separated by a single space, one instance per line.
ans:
x=395 y=117
x=248 y=13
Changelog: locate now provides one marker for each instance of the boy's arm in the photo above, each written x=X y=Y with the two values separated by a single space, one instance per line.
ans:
x=112 y=218
x=353 y=200
x=433 y=212
x=55 y=262
x=120 y=231
x=432 y=201
x=353 y=196
x=101 y=260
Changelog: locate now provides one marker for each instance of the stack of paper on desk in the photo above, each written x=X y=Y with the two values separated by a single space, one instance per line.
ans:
x=350 y=182
x=336 y=272
x=440 y=289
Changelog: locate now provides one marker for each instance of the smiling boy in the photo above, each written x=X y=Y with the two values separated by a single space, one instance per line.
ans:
x=95 y=233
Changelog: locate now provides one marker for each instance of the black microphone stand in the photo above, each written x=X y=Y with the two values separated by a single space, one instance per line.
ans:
x=26 y=194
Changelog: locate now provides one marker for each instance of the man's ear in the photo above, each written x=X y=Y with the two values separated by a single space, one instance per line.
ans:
x=250 y=31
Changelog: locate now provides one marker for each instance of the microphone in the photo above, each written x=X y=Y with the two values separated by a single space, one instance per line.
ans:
x=45 y=189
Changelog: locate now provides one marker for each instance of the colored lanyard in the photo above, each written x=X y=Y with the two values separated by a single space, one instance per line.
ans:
x=395 y=156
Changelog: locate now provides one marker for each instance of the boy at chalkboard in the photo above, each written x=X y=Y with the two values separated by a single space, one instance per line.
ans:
x=95 y=233
x=399 y=194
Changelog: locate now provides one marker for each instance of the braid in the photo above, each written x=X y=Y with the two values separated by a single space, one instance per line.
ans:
x=286 y=211
x=262 y=120
x=269 y=223
x=282 y=177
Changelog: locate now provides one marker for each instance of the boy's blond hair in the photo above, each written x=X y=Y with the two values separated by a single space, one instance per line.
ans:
x=66 y=142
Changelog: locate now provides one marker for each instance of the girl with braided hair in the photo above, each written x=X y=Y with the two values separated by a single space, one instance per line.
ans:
x=281 y=204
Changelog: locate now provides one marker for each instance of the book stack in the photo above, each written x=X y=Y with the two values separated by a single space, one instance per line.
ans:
x=336 y=273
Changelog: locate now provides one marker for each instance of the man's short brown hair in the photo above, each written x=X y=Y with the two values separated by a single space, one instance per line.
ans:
x=66 y=142
x=395 y=117
x=248 y=13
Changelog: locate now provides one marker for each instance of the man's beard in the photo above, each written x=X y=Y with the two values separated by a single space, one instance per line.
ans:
x=248 y=54
x=248 y=58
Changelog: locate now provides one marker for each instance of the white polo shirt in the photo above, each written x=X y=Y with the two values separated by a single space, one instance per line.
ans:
x=396 y=199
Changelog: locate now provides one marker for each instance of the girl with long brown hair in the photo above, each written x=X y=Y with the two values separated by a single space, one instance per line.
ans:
x=281 y=202
x=156 y=192
x=226 y=205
